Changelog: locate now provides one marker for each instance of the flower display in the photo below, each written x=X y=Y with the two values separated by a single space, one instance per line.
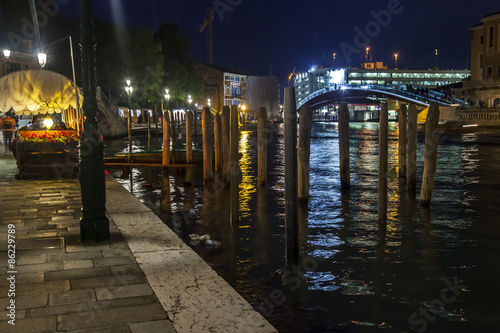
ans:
x=55 y=136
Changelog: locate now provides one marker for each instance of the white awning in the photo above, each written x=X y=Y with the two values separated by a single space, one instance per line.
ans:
x=37 y=91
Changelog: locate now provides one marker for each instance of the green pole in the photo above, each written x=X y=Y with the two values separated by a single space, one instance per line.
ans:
x=94 y=226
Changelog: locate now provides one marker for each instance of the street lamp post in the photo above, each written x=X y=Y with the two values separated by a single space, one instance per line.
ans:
x=129 y=90
x=334 y=60
x=436 y=53
x=396 y=60
x=94 y=225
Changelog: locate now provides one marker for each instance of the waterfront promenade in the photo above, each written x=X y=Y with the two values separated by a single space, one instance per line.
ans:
x=145 y=279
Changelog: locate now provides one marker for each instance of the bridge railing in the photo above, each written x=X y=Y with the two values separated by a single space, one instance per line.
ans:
x=430 y=96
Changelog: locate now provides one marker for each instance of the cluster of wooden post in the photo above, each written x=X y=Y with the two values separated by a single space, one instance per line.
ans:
x=407 y=153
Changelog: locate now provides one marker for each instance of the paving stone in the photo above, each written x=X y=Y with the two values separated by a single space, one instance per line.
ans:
x=27 y=278
x=109 y=329
x=92 y=306
x=133 y=290
x=125 y=270
x=15 y=221
x=40 y=243
x=108 y=281
x=51 y=242
x=33 y=252
x=81 y=248
x=20 y=314
x=115 y=261
x=30 y=260
x=42 y=288
x=26 y=301
x=46 y=227
x=65 y=218
x=28 y=210
x=164 y=326
x=61 y=211
x=108 y=317
x=77 y=273
x=116 y=253
x=23 y=244
x=74 y=264
x=32 y=325
x=47 y=267
x=74 y=256
x=72 y=297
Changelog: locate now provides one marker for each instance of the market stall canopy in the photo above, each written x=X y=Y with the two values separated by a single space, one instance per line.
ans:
x=37 y=91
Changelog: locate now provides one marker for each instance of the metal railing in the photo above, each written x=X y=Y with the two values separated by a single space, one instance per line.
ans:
x=425 y=98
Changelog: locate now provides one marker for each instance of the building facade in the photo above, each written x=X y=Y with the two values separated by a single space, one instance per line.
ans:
x=483 y=87
x=319 y=78
x=262 y=91
x=223 y=87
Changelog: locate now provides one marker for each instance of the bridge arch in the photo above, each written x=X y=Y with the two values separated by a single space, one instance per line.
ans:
x=353 y=94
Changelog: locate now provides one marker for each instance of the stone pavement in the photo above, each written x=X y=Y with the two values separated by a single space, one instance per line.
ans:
x=145 y=279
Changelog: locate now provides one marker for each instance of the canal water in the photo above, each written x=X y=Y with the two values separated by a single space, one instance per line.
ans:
x=432 y=270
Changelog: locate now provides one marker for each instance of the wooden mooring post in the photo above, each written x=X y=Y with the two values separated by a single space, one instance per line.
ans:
x=262 y=147
x=149 y=131
x=129 y=128
x=402 y=120
x=234 y=171
x=189 y=137
x=304 y=152
x=345 y=172
x=411 y=172
x=218 y=142
x=206 y=124
x=166 y=139
x=172 y=134
x=226 y=158
x=431 y=154
x=291 y=182
x=382 y=162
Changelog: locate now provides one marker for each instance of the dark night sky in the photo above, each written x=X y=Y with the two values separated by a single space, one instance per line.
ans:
x=255 y=34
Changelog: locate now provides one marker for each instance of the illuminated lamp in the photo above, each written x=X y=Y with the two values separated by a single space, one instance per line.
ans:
x=48 y=122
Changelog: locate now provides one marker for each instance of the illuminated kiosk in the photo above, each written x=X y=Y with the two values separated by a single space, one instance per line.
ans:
x=48 y=146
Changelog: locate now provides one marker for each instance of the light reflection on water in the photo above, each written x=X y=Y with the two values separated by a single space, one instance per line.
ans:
x=247 y=183
x=362 y=273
